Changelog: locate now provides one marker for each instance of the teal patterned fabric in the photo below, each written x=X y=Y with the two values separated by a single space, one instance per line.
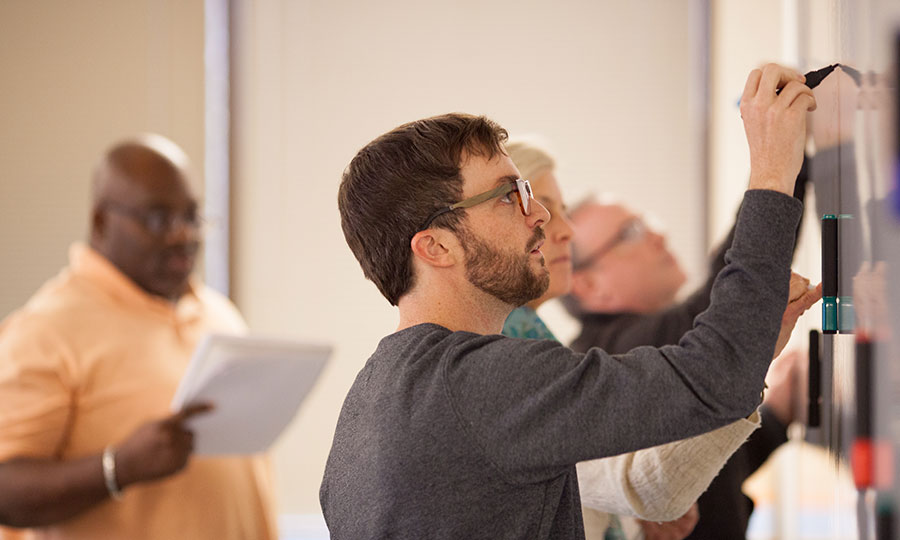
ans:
x=614 y=530
x=524 y=322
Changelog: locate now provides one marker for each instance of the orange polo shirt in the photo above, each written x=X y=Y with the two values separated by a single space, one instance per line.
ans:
x=89 y=359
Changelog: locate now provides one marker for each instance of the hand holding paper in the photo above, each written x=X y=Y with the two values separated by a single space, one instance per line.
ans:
x=157 y=449
x=256 y=386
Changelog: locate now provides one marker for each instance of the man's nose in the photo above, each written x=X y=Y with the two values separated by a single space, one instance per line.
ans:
x=656 y=239
x=539 y=215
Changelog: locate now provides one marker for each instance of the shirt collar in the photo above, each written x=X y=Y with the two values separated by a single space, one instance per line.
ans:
x=86 y=262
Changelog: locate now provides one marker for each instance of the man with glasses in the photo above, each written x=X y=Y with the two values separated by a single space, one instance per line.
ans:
x=624 y=285
x=88 y=445
x=619 y=264
x=453 y=431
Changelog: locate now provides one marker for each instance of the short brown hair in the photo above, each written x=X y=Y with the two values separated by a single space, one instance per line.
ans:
x=396 y=181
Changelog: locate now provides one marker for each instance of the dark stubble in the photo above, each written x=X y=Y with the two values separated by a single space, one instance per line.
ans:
x=505 y=274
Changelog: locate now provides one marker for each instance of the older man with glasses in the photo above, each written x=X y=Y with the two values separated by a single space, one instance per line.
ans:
x=88 y=445
x=624 y=287
x=620 y=264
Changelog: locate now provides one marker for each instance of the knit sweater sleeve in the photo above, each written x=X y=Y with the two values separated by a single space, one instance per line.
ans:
x=662 y=482
x=520 y=401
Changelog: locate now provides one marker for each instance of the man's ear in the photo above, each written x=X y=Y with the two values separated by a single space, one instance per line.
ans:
x=435 y=247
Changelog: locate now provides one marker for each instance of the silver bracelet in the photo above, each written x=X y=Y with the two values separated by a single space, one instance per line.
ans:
x=109 y=473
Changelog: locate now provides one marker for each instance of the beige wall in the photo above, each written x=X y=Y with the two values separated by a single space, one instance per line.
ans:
x=746 y=35
x=76 y=76
x=606 y=82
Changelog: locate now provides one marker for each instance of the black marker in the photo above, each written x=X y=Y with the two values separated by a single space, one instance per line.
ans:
x=813 y=78
x=816 y=76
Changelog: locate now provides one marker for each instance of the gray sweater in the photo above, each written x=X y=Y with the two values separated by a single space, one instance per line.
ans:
x=458 y=435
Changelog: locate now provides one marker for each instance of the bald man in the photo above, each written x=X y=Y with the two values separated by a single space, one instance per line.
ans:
x=88 y=367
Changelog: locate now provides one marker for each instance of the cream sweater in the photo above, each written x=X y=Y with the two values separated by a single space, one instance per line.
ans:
x=658 y=483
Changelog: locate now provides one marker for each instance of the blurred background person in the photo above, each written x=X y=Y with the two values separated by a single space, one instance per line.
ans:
x=624 y=285
x=88 y=446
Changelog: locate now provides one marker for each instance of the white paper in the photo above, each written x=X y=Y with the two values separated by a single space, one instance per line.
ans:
x=256 y=386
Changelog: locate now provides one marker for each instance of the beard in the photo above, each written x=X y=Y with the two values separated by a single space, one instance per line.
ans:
x=507 y=276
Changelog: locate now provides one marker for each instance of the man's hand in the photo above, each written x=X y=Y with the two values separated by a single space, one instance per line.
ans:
x=671 y=530
x=775 y=124
x=156 y=449
x=37 y=492
x=800 y=298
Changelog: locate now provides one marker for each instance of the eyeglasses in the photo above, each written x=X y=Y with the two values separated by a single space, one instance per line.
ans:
x=633 y=231
x=159 y=221
x=522 y=189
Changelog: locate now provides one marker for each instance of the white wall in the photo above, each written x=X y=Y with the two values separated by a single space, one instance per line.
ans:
x=75 y=77
x=606 y=82
x=746 y=35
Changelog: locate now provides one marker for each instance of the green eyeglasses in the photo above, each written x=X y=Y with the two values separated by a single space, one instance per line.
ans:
x=522 y=189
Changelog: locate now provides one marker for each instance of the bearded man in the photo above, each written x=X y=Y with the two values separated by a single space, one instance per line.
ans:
x=453 y=431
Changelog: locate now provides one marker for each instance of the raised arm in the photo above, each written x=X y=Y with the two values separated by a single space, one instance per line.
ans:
x=661 y=483
x=540 y=393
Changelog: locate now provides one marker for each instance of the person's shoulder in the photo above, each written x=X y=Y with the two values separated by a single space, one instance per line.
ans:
x=61 y=298
x=461 y=343
x=210 y=296
x=597 y=326
x=436 y=339
x=421 y=335
x=41 y=324
x=219 y=307
x=493 y=348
